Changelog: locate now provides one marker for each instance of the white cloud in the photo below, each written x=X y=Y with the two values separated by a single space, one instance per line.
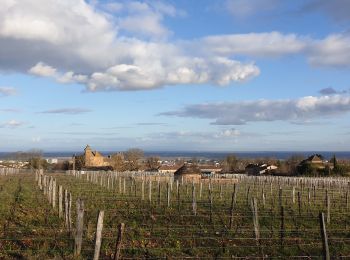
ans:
x=129 y=50
x=7 y=91
x=67 y=111
x=11 y=124
x=255 y=44
x=41 y=69
x=334 y=50
x=237 y=113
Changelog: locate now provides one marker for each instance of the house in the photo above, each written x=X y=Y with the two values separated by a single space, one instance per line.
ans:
x=168 y=168
x=258 y=169
x=210 y=169
x=91 y=159
x=316 y=161
x=188 y=173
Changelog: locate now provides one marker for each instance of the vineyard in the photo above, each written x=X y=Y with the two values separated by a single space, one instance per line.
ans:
x=111 y=215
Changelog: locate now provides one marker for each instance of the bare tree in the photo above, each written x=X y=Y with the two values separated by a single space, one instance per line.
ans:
x=152 y=163
x=117 y=162
x=230 y=163
x=132 y=157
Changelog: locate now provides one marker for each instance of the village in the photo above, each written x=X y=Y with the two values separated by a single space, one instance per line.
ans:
x=135 y=160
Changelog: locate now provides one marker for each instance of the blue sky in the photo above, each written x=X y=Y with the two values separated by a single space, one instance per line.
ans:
x=224 y=75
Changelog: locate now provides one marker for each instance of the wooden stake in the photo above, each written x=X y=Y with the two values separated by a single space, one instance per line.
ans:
x=98 y=238
x=79 y=227
x=325 y=248
x=118 y=244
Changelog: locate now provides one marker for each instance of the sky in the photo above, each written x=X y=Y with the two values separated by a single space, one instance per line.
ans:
x=175 y=75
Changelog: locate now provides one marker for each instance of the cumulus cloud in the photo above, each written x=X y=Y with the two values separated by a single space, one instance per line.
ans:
x=238 y=113
x=255 y=44
x=124 y=46
x=67 y=111
x=334 y=51
x=11 y=124
x=102 y=51
x=7 y=91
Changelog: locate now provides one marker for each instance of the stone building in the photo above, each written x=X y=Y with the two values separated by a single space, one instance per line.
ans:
x=91 y=159
x=188 y=173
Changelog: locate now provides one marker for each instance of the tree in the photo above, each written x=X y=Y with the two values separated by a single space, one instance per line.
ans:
x=117 y=162
x=293 y=162
x=230 y=163
x=37 y=163
x=152 y=164
x=132 y=157
x=79 y=162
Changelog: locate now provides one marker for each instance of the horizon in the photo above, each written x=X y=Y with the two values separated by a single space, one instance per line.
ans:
x=162 y=75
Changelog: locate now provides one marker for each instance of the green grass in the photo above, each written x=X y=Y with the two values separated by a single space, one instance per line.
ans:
x=154 y=230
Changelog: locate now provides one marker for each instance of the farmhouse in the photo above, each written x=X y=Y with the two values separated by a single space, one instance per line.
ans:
x=316 y=161
x=188 y=173
x=92 y=159
x=258 y=169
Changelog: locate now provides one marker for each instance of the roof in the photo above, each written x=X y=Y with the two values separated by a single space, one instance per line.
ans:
x=188 y=169
x=87 y=147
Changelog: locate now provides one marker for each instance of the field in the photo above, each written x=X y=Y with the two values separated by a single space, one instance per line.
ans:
x=244 y=217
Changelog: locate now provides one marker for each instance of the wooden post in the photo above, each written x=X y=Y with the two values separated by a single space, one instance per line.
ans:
x=159 y=193
x=168 y=194
x=194 y=203
x=211 y=205
x=254 y=206
x=54 y=194
x=293 y=195
x=233 y=201
x=325 y=248
x=60 y=201
x=150 y=191
x=328 y=208
x=118 y=244
x=200 y=189
x=78 y=240
x=70 y=212
x=299 y=202
x=282 y=227
x=66 y=209
x=143 y=190
x=98 y=238
x=178 y=196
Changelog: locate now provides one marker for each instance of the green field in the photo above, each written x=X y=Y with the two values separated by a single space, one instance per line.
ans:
x=171 y=225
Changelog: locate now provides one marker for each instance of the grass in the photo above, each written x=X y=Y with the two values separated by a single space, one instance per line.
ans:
x=32 y=228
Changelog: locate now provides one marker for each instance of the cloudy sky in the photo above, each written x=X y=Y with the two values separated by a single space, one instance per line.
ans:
x=223 y=75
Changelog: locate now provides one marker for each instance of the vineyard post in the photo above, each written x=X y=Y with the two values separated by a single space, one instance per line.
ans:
x=143 y=190
x=282 y=227
x=254 y=207
x=150 y=191
x=168 y=194
x=118 y=244
x=293 y=195
x=159 y=191
x=233 y=201
x=98 y=238
x=70 y=212
x=200 y=189
x=79 y=227
x=54 y=193
x=299 y=202
x=66 y=208
x=325 y=248
x=328 y=202
x=194 y=204
x=60 y=200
